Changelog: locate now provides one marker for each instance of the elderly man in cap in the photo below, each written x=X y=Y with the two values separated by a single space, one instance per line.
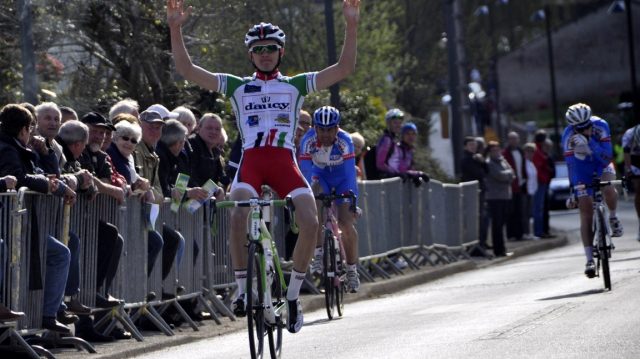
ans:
x=171 y=242
x=110 y=242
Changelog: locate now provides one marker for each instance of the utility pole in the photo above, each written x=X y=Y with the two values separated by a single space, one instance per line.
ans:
x=451 y=12
x=632 y=60
x=331 y=48
x=494 y=71
x=29 y=80
x=552 y=73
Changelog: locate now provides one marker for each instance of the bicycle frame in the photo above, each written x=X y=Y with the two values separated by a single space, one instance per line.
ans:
x=263 y=313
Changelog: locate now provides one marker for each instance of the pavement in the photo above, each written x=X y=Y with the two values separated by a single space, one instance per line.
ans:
x=154 y=341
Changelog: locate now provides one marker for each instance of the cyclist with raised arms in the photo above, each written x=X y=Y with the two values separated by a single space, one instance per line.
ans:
x=266 y=107
x=327 y=161
x=587 y=150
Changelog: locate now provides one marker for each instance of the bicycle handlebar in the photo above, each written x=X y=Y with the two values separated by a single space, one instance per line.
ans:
x=598 y=184
x=255 y=202
x=326 y=199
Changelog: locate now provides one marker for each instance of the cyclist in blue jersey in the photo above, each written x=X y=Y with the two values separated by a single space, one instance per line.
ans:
x=327 y=161
x=587 y=150
x=266 y=106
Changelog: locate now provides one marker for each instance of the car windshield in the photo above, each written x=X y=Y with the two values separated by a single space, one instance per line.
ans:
x=561 y=170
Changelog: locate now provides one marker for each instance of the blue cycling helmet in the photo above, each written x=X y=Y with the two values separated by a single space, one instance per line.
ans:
x=409 y=126
x=326 y=116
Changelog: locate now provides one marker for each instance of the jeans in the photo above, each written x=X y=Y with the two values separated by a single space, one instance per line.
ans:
x=73 y=279
x=154 y=247
x=538 y=209
x=56 y=272
x=110 y=245
x=173 y=241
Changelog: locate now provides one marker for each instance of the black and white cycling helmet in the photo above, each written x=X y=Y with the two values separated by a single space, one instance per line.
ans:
x=579 y=115
x=326 y=117
x=264 y=31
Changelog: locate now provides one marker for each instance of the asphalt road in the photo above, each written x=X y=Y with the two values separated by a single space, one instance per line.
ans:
x=539 y=306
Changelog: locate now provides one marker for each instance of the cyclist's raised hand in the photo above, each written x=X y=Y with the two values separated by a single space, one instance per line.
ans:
x=351 y=11
x=176 y=15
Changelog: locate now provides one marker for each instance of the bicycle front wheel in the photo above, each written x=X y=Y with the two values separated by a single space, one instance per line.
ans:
x=274 y=331
x=341 y=270
x=604 y=250
x=329 y=272
x=255 y=302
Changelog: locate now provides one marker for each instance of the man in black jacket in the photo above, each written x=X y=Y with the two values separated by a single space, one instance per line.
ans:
x=474 y=168
x=16 y=124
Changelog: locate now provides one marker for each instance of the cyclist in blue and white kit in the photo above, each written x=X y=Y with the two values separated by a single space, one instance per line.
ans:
x=266 y=106
x=587 y=150
x=327 y=161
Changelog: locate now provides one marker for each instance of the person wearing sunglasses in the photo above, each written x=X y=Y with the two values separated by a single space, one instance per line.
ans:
x=587 y=149
x=125 y=138
x=266 y=106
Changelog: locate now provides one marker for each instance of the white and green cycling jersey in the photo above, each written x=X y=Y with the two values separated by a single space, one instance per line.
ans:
x=267 y=110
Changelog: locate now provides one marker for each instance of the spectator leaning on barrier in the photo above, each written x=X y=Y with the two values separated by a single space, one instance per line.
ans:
x=148 y=162
x=53 y=160
x=474 y=168
x=207 y=162
x=516 y=211
x=110 y=242
x=16 y=124
x=73 y=137
x=6 y=183
x=125 y=139
x=400 y=162
x=174 y=160
x=387 y=142
x=498 y=194
x=43 y=139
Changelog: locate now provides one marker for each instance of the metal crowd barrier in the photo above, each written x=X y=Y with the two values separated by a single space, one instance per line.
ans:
x=432 y=224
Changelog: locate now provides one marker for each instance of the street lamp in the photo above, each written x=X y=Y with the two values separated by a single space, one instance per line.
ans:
x=620 y=6
x=544 y=15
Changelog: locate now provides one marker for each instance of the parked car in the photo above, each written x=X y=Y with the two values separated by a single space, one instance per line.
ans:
x=559 y=187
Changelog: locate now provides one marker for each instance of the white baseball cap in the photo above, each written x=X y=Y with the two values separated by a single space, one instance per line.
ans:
x=166 y=114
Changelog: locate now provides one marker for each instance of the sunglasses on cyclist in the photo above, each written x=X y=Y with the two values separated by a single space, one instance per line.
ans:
x=132 y=140
x=265 y=49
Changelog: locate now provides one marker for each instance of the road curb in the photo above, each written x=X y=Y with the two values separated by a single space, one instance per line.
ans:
x=376 y=289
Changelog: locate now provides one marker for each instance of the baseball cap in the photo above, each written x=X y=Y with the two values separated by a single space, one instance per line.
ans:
x=163 y=111
x=96 y=119
x=151 y=116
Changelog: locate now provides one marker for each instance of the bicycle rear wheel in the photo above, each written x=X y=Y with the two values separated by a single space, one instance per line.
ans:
x=275 y=330
x=255 y=302
x=604 y=250
x=328 y=273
